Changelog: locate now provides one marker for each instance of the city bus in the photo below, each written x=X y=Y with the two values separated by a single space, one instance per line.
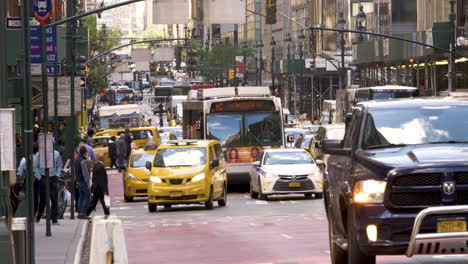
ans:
x=245 y=120
x=120 y=95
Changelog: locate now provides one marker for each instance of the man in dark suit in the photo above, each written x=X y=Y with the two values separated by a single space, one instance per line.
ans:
x=99 y=187
x=112 y=150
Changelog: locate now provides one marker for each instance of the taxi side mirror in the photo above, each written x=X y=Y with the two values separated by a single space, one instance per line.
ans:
x=256 y=163
x=214 y=164
x=319 y=162
x=148 y=165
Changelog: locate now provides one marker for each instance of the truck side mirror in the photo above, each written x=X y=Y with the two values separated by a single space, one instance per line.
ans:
x=334 y=147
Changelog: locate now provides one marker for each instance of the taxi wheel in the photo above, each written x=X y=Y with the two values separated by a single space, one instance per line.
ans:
x=152 y=207
x=209 y=203
x=261 y=196
x=253 y=194
x=167 y=205
x=223 y=200
x=128 y=199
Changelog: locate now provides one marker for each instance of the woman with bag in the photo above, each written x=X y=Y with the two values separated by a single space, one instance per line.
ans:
x=99 y=187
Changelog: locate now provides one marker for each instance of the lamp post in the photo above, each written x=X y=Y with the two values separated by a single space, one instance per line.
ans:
x=259 y=62
x=452 y=80
x=272 y=66
x=301 y=39
x=288 y=40
x=341 y=23
x=244 y=53
x=361 y=22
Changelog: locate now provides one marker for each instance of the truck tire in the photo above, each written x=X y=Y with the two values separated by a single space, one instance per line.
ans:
x=337 y=254
x=355 y=255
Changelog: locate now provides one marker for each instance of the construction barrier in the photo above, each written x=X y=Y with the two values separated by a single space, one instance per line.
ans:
x=108 y=241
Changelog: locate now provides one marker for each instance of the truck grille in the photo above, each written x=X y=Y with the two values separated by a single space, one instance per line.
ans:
x=420 y=190
x=461 y=177
x=283 y=185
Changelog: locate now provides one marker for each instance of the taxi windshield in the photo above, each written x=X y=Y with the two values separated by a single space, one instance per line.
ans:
x=180 y=157
x=289 y=157
x=139 y=160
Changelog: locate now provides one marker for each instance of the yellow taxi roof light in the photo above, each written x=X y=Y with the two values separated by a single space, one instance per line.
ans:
x=182 y=142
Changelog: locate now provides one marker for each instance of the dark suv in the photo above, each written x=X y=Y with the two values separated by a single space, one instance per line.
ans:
x=398 y=182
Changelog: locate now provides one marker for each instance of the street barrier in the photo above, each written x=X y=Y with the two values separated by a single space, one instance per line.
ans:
x=107 y=241
x=18 y=230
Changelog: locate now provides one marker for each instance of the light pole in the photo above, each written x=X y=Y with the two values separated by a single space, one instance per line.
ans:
x=341 y=23
x=288 y=40
x=452 y=80
x=259 y=62
x=272 y=67
x=244 y=53
x=361 y=22
x=301 y=39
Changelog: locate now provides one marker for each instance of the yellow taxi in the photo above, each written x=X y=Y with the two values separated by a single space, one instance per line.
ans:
x=187 y=172
x=101 y=146
x=138 y=134
x=136 y=176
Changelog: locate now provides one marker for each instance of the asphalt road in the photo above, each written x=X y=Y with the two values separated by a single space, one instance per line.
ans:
x=285 y=229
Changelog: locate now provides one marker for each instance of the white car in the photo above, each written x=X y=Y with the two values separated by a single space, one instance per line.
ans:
x=285 y=171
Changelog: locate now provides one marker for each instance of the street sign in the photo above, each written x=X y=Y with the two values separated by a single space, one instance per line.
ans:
x=13 y=22
x=63 y=102
x=457 y=75
x=7 y=139
x=36 y=69
x=51 y=44
x=42 y=10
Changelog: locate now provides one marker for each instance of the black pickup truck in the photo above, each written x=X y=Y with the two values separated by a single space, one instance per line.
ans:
x=398 y=181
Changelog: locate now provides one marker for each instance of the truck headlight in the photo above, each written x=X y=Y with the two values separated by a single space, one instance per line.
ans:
x=155 y=179
x=131 y=177
x=198 y=177
x=369 y=191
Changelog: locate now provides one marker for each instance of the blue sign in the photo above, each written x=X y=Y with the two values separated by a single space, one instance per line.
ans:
x=51 y=44
x=42 y=10
x=50 y=69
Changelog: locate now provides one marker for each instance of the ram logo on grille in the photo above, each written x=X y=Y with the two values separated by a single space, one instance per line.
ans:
x=448 y=188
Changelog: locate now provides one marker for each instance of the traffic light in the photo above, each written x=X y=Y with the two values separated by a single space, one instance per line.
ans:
x=192 y=60
x=231 y=74
x=270 y=12
x=153 y=67
x=81 y=66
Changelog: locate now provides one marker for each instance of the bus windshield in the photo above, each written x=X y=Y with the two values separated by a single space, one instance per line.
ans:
x=245 y=129
x=121 y=97
x=390 y=94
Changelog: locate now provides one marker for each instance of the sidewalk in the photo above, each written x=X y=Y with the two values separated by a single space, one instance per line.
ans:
x=61 y=247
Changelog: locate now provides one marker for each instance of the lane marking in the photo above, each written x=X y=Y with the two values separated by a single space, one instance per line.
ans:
x=327 y=251
x=261 y=202
x=286 y=236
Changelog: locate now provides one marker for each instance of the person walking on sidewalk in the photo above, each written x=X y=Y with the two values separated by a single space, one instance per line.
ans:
x=54 y=174
x=121 y=146
x=99 y=187
x=112 y=150
x=82 y=173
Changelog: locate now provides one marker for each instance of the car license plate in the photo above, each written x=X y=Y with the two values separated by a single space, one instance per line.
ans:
x=294 y=184
x=451 y=226
x=175 y=194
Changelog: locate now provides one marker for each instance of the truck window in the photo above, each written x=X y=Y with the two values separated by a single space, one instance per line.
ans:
x=352 y=130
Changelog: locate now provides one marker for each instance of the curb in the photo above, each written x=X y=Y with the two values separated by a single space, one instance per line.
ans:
x=79 y=249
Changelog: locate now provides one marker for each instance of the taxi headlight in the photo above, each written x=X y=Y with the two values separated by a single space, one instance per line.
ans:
x=131 y=177
x=269 y=175
x=155 y=179
x=198 y=177
x=369 y=191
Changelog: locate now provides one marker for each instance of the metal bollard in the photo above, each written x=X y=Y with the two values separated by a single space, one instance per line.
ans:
x=6 y=243
x=18 y=229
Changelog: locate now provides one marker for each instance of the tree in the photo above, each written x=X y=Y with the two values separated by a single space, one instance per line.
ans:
x=219 y=60
x=100 y=40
